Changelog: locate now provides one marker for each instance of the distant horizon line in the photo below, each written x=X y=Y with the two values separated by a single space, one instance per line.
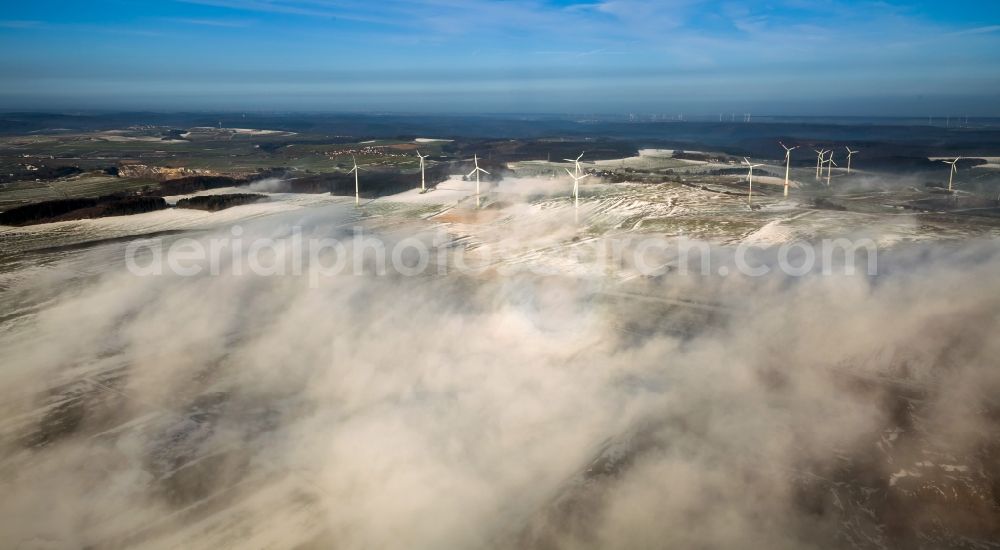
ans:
x=649 y=116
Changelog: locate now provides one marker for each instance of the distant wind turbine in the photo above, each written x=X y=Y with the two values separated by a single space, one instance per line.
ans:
x=788 y=163
x=576 y=184
x=954 y=168
x=423 y=184
x=829 y=168
x=476 y=171
x=750 y=177
x=357 y=187
x=849 y=155
x=820 y=154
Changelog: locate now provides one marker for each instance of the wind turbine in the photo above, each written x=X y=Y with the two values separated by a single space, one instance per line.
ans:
x=357 y=188
x=476 y=171
x=954 y=168
x=849 y=154
x=788 y=162
x=829 y=168
x=820 y=153
x=576 y=184
x=576 y=163
x=750 y=178
x=423 y=186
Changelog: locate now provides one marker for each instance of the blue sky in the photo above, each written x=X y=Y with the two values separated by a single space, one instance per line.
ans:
x=694 y=56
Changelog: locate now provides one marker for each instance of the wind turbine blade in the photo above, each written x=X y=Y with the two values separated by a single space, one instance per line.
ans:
x=570 y=173
x=484 y=171
x=470 y=174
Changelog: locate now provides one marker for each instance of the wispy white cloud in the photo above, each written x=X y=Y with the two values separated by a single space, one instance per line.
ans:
x=18 y=24
x=976 y=30
x=577 y=54
x=365 y=13
x=601 y=24
x=76 y=27
x=228 y=23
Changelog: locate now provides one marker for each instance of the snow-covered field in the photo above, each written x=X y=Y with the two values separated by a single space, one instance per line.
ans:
x=668 y=209
x=448 y=192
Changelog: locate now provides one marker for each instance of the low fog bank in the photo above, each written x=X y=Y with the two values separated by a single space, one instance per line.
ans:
x=482 y=410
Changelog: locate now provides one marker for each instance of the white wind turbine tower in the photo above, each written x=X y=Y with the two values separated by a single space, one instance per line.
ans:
x=829 y=168
x=476 y=171
x=750 y=178
x=576 y=193
x=820 y=153
x=954 y=168
x=423 y=184
x=788 y=163
x=357 y=187
x=576 y=185
x=849 y=154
